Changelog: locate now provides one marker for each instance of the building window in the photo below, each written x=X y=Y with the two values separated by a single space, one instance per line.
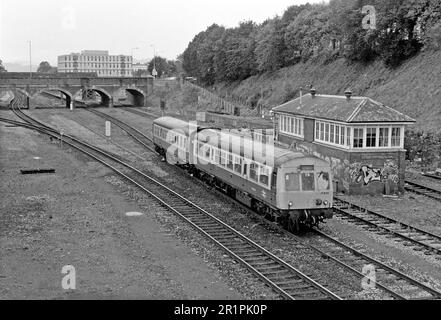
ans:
x=358 y=137
x=383 y=137
x=291 y=125
x=371 y=137
x=396 y=137
x=332 y=137
x=331 y=133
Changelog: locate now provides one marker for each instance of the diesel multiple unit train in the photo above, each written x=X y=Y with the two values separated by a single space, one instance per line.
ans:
x=289 y=187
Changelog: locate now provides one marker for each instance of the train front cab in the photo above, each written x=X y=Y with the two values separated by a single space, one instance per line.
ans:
x=302 y=186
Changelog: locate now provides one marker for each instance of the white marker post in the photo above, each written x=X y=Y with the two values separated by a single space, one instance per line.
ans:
x=108 y=129
x=61 y=138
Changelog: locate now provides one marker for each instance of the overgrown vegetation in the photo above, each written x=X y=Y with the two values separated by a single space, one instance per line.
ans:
x=2 y=68
x=423 y=148
x=332 y=30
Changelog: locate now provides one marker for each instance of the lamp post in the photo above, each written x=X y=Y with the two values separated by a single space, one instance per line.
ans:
x=132 y=58
x=154 y=72
x=30 y=60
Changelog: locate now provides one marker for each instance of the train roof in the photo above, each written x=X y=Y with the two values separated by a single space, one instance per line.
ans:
x=171 y=123
x=179 y=125
x=274 y=155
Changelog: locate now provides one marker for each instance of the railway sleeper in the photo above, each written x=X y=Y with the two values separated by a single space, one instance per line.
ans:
x=257 y=259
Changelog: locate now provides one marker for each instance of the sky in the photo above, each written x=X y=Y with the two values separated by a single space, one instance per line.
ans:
x=137 y=27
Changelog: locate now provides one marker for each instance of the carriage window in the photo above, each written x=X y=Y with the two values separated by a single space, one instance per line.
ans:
x=274 y=180
x=238 y=165
x=253 y=171
x=230 y=161
x=201 y=150
x=264 y=175
x=292 y=182
x=217 y=156
x=323 y=182
x=308 y=181
x=223 y=158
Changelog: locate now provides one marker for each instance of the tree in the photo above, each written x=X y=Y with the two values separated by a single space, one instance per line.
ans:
x=161 y=64
x=44 y=67
x=2 y=68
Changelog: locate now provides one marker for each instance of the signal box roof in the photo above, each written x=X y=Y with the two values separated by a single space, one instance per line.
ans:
x=342 y=109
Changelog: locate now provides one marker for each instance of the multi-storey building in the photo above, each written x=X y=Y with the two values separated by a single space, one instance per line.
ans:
x=98 y=61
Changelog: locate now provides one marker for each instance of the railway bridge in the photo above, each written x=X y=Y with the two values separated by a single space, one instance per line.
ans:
x=75 y=88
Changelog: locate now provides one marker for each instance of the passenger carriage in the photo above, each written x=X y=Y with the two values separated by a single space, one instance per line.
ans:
x=283 y=185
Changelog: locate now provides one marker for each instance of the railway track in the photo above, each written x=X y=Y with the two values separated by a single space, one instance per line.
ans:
x=284 y=279
x=140 y=137
x=423 y=190
x=432 y=176
x=408 y=235
x=141 y=113
x=391 y=281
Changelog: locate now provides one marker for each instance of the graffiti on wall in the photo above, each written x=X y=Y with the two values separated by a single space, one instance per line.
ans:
x=366 y=174
x=363 y=174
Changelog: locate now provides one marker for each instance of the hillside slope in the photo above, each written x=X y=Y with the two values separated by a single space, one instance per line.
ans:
x=414 y=88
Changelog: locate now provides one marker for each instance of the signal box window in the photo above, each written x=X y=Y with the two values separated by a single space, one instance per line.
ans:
x=371 y=137
x=308 y=182
x=396 y=137
x=292 y=182
x=358 y=138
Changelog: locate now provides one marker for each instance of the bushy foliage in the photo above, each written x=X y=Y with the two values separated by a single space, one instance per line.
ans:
x=2 y=68
x=423 y=145
x=402 y=28
x=163 y=66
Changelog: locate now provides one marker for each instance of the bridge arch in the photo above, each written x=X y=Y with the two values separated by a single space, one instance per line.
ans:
x=67 y=95
x=136 y=97
x=23 y=92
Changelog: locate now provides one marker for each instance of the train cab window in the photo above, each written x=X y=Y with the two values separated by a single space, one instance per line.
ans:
x=264 y=175
x=253 y=171
x=323 y=182
x=292 y=182
x=308 y=181
x=238 y=165
x=230 y=161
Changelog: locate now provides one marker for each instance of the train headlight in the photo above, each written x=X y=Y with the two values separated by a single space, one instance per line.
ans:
x=318 y=202
x=290 y=204
x=326 y=202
